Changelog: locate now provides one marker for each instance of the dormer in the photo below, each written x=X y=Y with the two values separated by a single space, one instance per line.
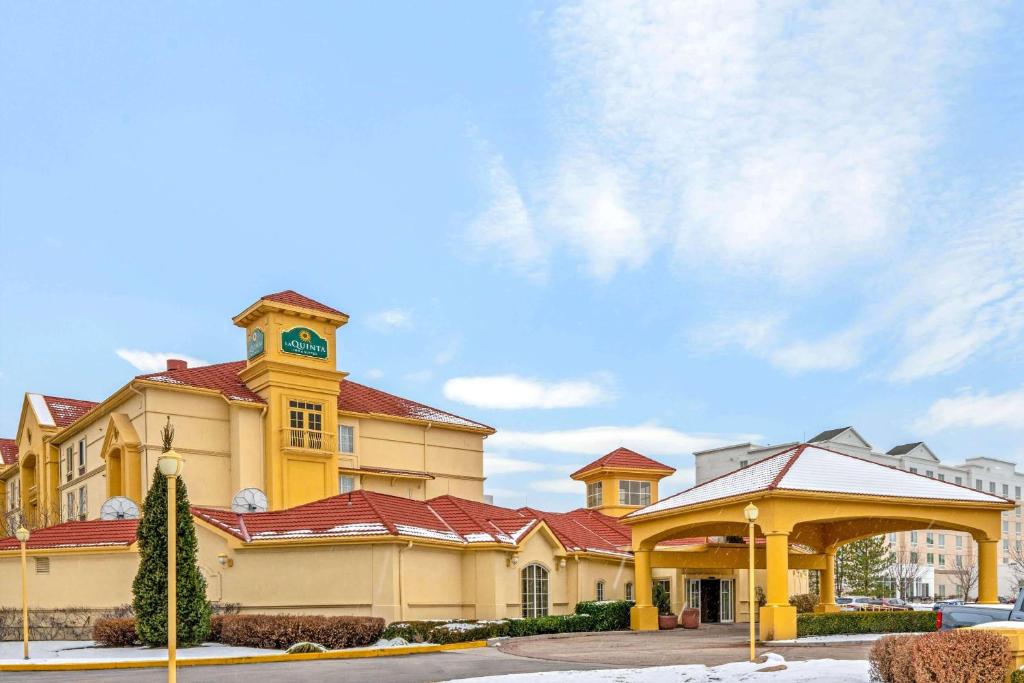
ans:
x=917 y=450
x=846 y=439
x=622 y=481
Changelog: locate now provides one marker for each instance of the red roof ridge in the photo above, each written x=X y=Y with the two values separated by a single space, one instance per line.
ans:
x=383 y=520
x=293 y=298
x=625 y=458
x=797 y=452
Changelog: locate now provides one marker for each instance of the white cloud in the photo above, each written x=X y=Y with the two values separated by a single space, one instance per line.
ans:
x=390 y=319
x=503 y=464
x=374 y=373
x=682 y=479
x=504 y=231
x=975 y=410
x=566 y=486
x=649 y=439
x=154 y=361
x=512 y=392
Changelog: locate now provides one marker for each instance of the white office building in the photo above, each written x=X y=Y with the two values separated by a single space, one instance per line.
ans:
x=943 y=558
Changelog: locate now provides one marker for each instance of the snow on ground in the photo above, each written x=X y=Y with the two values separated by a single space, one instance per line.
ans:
x=50 y=651
x=840 y=638
x=817 y=670
x=1018 y=625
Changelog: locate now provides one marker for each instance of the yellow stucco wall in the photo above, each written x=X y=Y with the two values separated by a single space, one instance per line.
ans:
x=109 y=579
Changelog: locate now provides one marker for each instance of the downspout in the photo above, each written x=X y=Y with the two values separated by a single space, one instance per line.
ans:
x=401 y=583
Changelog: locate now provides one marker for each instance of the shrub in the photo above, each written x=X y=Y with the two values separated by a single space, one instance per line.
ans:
x=456 y=632
x=884 y=657
x=804 y=603
x=115 y=632
x=611 y=615
x=304 y=648
x=1017 y=676
x=960 y=656
x=412 y=631
x=661 y=600
x=535 y=626
x=217 y=627
x=832 y=623
x=276 y=631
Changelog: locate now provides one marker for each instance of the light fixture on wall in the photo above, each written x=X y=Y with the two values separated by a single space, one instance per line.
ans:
x=225 y=561
x=561 y=563
x=513 y=560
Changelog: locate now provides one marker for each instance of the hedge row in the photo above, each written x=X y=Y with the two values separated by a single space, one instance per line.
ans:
x=609 y=615
x=270 y=631
x=833 y=623
x=958 y=656
x=465 y=631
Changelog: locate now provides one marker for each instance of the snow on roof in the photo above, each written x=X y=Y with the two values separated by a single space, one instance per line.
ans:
x=41 y=410
x=624 y=458
x=812 y=468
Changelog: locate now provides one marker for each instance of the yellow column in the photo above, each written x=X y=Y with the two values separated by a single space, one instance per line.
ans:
x=827 y=599
x=778 y=617
x=644 y=616
x=988 y=583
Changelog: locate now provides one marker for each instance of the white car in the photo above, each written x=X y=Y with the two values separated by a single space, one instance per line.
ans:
x=853 y=602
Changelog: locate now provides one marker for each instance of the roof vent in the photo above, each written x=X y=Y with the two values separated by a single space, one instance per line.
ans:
x=176 y=364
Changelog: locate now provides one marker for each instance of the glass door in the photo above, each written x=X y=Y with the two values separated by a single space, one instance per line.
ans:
x=725 y=604
x=693 y=593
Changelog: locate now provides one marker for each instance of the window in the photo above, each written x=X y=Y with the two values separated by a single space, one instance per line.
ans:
x=913 y=558
x=929 y=538
x=1006 y=490
x=71 y=506
x=991 y=487
x=942 y=540
x=346 y=483
x=959 y=481
x=942 y=560
x=1016 y=492
x=942 y=477
x=744 y=463
x=83 y=507
x=913 y=537
x=929 y=473
x=913 y=470
x=305 y=423
x=346 y=439
x=535 y=591
x=594 y=493
x=892 y=539
x=81 y=457
x=1018 y=528
x=629 y=591
x=1006 y=527
x=942 y=590
x=959 y=542
x=959 y=562
x=634 y=492
x=978 y=485
x=931 y=558
x=69 y=463
x=599 y=592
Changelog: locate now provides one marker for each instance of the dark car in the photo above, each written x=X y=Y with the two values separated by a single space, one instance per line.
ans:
x=961 y=615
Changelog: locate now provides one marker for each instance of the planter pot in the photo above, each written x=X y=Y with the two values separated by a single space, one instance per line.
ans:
x=691 y=617
x=667 y=622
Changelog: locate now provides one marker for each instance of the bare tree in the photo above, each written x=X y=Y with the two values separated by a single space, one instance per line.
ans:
x=1015 y=559
x=965 y=575
x=903 y=573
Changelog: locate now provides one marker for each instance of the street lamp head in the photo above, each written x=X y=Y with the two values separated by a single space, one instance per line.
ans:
x=170 y=463
x=21 y=534
x=750 y=512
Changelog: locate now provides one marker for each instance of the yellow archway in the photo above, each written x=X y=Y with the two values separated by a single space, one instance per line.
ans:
x=817 y=499
x=122 y=453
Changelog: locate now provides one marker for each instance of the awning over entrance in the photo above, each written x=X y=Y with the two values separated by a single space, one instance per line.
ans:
x=818 y=499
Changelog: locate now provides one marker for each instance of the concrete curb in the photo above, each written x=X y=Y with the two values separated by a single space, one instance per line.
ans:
x=249 y=659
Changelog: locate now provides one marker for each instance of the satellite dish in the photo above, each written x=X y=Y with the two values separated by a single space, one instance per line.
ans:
x=249 y=500
x=119 y=507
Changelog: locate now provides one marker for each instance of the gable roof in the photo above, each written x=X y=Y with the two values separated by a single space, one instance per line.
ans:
x=293 y=298
x=8 y=451
x=625 y=459
x=352 y=398
x=92 y=533
x=67 y=410
x=812 y=468
x=903 y=449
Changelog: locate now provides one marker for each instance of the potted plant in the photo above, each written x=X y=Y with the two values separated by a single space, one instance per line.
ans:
x=666 y=620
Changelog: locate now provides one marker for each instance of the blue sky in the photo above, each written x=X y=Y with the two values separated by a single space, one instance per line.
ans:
x=660 y=226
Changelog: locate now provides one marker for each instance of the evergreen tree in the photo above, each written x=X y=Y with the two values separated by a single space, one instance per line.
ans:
x=150 y=585
x=861 y=566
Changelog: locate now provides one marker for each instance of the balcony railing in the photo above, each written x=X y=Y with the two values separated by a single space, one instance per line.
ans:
x=307 y=439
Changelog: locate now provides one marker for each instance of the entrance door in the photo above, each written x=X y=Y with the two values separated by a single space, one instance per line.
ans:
x=693 y=593
x=726 y=601
x=710 y=601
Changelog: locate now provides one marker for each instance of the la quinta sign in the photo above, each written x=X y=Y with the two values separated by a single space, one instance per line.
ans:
x=254 y=344
x=303 y=341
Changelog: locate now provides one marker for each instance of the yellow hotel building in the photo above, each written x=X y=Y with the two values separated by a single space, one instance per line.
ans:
x=312 y=493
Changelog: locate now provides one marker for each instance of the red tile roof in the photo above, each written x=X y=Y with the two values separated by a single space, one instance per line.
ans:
x=67 y=410
x=92 y=533
x=624 y=458
x=353 y=397
x=293 y=298
x=8 y=451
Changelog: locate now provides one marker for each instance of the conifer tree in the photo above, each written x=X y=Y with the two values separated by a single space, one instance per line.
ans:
x=861 y=566
x=150 y=585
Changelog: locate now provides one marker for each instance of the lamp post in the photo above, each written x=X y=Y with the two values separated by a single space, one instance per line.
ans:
x=750 y=512
x=170 y=465
x=22 y=535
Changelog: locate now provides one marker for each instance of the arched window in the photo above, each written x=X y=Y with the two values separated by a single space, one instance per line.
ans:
x=535 y=591
x=600 y=591
x=629 y=591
